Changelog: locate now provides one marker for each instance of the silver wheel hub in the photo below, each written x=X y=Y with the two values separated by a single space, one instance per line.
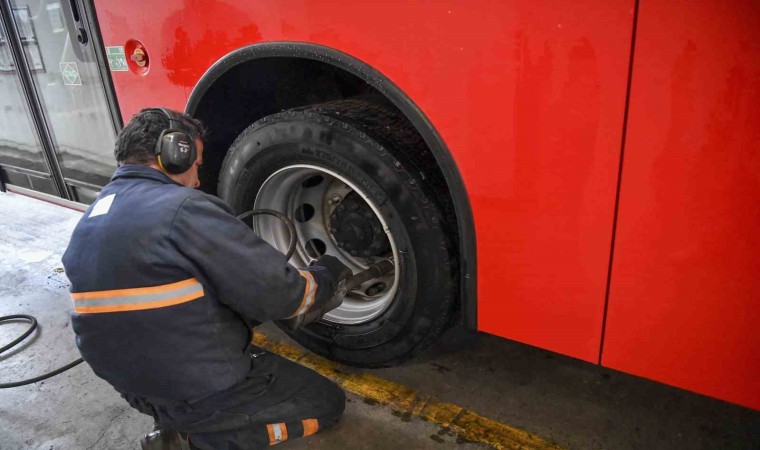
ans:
x=332 y=216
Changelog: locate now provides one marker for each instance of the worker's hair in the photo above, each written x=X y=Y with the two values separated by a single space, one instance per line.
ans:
x=136 y=143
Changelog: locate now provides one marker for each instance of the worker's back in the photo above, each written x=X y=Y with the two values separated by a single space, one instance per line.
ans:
x=145 y=317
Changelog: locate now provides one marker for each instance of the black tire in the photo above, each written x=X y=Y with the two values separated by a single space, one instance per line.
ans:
x=375 y=148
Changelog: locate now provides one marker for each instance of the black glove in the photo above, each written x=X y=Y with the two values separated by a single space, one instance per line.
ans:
x=339 y=272
x=337 y=269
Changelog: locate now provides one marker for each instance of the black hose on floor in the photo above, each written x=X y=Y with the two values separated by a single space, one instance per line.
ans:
x=32 y=326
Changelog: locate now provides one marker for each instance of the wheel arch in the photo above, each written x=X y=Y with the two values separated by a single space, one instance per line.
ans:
x=331 y=74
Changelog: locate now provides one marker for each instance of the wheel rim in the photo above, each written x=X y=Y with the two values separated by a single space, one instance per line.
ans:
x=310 y=195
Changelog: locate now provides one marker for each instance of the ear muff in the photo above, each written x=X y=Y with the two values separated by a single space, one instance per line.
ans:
x=175 y=149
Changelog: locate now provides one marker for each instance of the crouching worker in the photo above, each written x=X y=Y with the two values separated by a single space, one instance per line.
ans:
x=167 y=284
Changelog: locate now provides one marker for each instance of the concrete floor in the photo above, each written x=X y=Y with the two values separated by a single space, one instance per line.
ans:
x=565 y=401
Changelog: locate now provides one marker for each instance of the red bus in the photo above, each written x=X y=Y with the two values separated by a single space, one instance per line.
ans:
x=579 y=176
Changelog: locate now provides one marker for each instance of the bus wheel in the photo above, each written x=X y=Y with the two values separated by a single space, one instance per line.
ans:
x=345 y=173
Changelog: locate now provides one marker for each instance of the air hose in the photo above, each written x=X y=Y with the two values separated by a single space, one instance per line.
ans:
x=33 y=322
x=281 y=216
x=29 y=331
x=376 y=270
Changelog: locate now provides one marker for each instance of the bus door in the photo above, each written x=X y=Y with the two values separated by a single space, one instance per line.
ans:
x=58 y=115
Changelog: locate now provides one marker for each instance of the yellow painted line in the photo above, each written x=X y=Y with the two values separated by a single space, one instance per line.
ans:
x=467 y=424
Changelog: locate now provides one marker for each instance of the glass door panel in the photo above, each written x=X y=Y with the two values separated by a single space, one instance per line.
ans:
x=66 y=76
x=22 y=161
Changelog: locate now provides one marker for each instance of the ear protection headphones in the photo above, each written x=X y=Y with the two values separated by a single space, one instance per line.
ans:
x=175 y=149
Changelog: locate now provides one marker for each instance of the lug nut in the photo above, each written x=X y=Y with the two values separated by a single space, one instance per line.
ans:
x=334 y=200
x=375 y=289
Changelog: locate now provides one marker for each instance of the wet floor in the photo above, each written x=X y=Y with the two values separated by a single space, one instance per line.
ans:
x=565 y=402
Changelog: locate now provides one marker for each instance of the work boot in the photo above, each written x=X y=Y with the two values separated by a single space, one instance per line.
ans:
x=164 y=440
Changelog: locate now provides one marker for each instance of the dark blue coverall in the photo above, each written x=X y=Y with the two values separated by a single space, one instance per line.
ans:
x=166 y=285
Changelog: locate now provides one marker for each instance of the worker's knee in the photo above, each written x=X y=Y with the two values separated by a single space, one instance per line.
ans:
x=337 y=399
x=327 y=400
x=334 y=404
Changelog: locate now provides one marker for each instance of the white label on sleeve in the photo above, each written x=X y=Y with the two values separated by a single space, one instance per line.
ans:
x=102 y=206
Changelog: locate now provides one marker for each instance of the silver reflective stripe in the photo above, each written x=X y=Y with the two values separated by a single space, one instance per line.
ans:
x=137 y=299
x=277 y=432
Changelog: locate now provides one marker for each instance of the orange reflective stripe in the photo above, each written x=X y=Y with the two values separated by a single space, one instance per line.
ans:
x=134 y=291
x=310 y=426
x=138 y=306
x=137 y=298
x=309 y=293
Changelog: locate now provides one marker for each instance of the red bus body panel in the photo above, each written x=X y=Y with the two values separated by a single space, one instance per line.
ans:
x=530 y=98
x=685 y=300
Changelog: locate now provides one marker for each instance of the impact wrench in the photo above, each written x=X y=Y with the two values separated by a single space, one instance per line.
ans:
x=376 y=270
